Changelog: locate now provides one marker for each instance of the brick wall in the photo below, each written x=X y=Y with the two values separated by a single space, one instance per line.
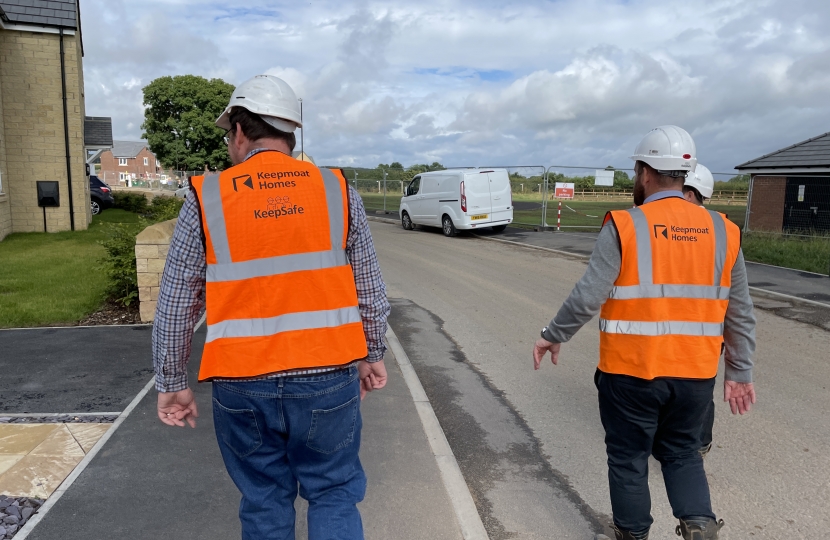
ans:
x=33 y=131
x=151 y=246
x=5 y=209
x=766 y=212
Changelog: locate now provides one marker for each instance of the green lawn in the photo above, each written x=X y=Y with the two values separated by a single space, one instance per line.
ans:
x=810 y=253
x=54 y=278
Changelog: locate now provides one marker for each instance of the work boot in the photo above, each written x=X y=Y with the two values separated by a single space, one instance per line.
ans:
x=699 y=528
x=628 y=535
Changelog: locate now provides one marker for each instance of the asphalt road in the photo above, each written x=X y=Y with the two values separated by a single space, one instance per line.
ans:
x=477 y=305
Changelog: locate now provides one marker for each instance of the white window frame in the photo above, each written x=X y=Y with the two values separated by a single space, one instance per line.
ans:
x=1 y=183
x=122 y=177
x=122 y=162
x=146 y=162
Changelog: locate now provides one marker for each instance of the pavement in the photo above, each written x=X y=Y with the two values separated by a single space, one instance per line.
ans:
x=530 y=443
x=804 y=285
x=149 y=480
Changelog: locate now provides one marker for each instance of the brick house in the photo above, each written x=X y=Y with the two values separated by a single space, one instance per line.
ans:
x=790 y=188
x=41 y=115
x=128 y=161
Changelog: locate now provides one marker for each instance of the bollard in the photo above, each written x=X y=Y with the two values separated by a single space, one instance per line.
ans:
x=559 y=217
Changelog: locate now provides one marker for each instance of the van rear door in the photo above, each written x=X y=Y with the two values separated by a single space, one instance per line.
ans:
x=477 y=190
x=500 y=196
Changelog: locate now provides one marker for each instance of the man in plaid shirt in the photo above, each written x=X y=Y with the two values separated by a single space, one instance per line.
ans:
x=281 y=429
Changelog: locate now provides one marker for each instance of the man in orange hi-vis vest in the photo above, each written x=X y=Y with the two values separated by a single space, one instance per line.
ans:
x=669 y=283
x=279 y=254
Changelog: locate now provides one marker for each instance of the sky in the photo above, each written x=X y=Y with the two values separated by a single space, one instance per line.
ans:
x=485 y=83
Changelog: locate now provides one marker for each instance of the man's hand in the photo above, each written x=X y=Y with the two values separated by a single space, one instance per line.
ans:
x=372 y=376
x=741 y=396
x=176 y=407
x=541 y=348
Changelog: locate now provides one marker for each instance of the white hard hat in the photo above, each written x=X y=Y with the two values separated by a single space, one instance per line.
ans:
x=269 y=97
x=702 y=180
x=667 y=149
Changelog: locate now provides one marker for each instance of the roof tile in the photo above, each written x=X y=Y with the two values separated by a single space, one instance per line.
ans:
x=61 y=13
x=813 y=152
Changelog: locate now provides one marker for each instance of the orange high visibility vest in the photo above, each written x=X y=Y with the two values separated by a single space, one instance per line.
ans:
x=280 y=293
x=664 y=317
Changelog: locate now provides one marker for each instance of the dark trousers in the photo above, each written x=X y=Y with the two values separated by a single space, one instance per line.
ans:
x=708 y=426
x=662 y=418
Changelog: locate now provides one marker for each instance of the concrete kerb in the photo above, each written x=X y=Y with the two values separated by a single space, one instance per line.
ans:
x=464 y=507
x=756 y=290
x=67 y=483
x=531 y=246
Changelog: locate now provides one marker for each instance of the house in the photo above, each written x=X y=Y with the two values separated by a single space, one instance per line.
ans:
x=128 y=161
x=789 y=189
x=302 y=156
x=97 y=137
x=42 y=115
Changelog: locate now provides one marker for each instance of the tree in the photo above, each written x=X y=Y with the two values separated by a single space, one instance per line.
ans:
x=396 y=165
x=179 y=118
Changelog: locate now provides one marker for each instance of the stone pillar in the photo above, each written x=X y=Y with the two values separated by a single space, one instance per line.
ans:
x=151 y=246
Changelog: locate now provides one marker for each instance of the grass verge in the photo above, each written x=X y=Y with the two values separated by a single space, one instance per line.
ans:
x=55 y=278
x=802 y=253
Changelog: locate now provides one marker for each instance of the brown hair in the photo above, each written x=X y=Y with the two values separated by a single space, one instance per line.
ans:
x=255 y=128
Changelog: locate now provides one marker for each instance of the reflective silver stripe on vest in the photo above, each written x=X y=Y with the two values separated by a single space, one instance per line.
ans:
x=215 y=215
x=704 y=292
x=334 y=201
x=276 y=265
x=720 y=245
x=309 y=320
x=643 y=234
x=661 y=328
x=645 y=265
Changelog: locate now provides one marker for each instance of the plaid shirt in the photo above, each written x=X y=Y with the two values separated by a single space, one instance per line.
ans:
x=181 y=298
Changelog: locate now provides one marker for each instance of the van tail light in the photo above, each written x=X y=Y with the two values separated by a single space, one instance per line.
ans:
x=105 y=190
x=463 y=198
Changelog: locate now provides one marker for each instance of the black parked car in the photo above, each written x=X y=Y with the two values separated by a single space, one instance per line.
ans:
x=100 y=195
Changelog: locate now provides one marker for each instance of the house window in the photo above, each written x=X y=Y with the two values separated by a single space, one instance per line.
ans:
x=122 y=162
x=122 y=176
x=1 y=182
x=146 y=162
x=158 y=164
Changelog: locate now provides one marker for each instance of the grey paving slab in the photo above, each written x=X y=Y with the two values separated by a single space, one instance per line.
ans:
x=55 y=370
x=151 y=481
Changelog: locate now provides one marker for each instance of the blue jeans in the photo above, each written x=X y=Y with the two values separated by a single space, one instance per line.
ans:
x=276 y=434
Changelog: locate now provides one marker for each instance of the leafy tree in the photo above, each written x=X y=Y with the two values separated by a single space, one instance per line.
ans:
x=179 y=121
x=396 y=165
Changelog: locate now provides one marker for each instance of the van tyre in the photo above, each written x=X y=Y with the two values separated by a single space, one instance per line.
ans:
x=406 y=222
x=448 y=226
x=499 y=228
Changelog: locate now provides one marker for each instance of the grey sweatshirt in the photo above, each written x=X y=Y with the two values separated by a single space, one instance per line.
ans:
x=595 y=287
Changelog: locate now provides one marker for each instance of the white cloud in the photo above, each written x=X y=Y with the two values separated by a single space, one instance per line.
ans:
x=575 y=82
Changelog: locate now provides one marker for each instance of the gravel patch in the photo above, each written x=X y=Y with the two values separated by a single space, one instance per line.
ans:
x=14 y=513
x=62 y=419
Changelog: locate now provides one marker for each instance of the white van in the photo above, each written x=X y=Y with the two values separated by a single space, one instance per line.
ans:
x=458 y=199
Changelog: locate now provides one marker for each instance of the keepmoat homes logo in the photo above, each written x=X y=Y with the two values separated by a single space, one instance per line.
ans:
x=679 y=234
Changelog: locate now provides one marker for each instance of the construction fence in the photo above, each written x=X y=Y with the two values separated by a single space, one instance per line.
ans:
x=536 y=201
